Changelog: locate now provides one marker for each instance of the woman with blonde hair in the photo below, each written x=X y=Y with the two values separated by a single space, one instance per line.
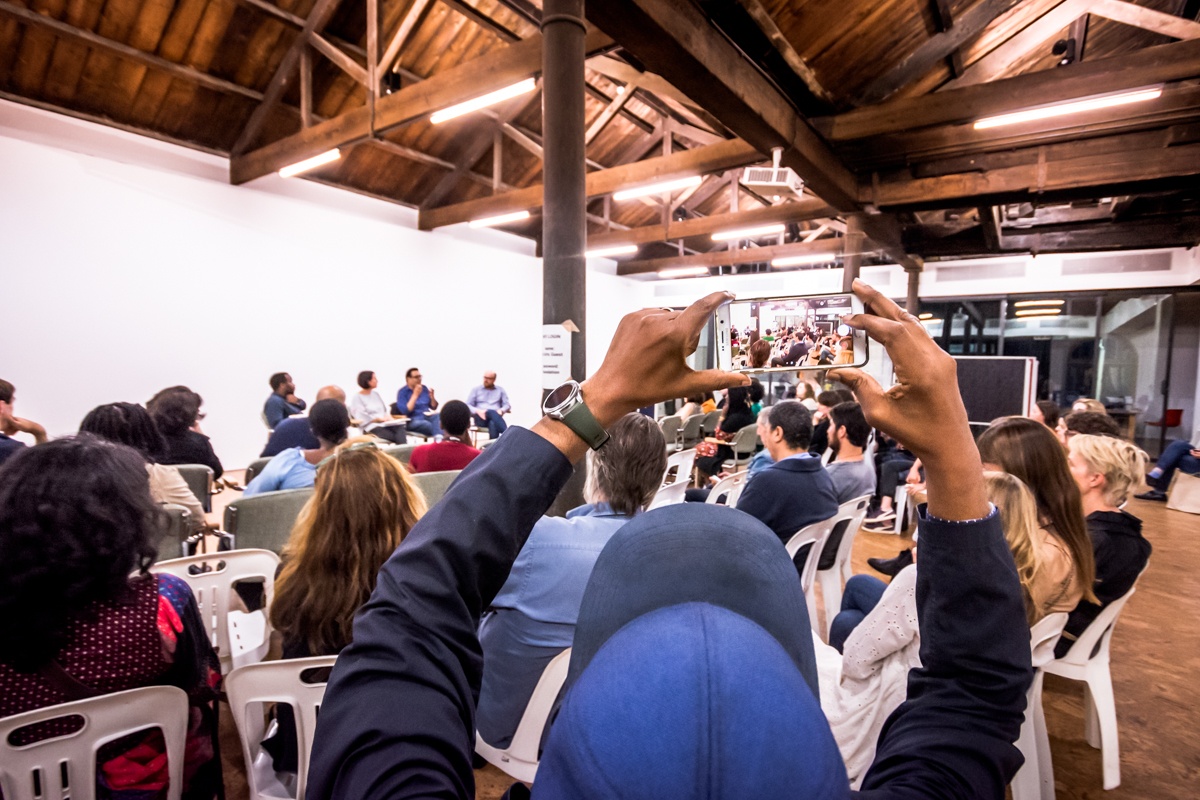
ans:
x=1107 y=471
x=364 y=503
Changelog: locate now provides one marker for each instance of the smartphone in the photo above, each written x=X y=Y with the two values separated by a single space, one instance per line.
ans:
x=804 y=332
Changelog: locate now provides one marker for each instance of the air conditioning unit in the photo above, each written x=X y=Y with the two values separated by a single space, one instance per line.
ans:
x=773 y=181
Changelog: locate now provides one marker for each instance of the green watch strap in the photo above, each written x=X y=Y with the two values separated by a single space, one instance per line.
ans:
x=581 y=421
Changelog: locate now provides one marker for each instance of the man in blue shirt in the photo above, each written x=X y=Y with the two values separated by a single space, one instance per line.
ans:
x=10 y=424
x=533 y=617
x=296 y=431
x=417 y=402
x=489 y=404
x=283 y=402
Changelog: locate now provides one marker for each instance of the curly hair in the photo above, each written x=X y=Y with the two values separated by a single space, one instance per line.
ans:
x=128 y=424
x=76 y=518
x=174 y=410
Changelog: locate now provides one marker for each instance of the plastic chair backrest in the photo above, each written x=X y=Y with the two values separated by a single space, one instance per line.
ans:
x=275 y=682
x=73 y=756
x=175 y=532
x=745 y=440
x=1043 y=637
x=199 y=478
x=844 y=528
x=731 y=486
x=401 y=452
x=670 y=494
x=1099 y=632
x=256 y=466
x=693 y=428
x=670 y=429
x=214 y=589
x=265 y=520
x=434 y=484
x=520 y=758
x=711 y=421
x=683 y=460
x=817 y=534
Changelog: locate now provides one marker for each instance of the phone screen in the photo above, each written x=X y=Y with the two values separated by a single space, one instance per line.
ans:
x=804 y=332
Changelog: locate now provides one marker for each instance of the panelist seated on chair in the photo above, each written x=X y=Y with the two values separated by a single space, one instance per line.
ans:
x=418 y=402
x=369 y=411
x=533 y=617
x=363 y=505
x=296 y=468
x=296 y=431
x=454 y=451
x=98 y=622
x=489 y=403
x=283 y=401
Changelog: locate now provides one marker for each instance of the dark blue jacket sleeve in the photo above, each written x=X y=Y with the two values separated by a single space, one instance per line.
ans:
x=398 y=716
x=953 y=737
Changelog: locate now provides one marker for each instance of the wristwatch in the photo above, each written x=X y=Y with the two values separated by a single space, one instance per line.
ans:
x=566 y=405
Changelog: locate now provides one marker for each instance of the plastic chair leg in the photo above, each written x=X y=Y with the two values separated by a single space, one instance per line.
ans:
x=1042 y=742
x=1025 y=784
x=1100 y=724
x=831 y=593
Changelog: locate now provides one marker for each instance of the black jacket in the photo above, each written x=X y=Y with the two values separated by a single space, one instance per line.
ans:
x=790 y=494
x=190 y=447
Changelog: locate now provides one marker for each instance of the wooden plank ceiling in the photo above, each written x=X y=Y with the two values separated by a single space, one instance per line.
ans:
x=872 y=103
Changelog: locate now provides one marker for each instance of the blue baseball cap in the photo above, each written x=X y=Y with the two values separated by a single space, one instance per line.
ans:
x=692 y=673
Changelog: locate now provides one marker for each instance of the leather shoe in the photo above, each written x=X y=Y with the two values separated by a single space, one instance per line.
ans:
x=1153 y=494
x=890 y=566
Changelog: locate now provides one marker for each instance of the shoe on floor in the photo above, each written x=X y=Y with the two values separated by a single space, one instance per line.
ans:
x=879 y=525
x=879 y=515
x=890 y=566
x=1153 y=494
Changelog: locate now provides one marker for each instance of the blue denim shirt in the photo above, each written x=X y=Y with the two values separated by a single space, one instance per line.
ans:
x=420 y=408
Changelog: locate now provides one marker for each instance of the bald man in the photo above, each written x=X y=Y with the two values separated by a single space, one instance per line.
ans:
x=294 y=431
x=488 y=404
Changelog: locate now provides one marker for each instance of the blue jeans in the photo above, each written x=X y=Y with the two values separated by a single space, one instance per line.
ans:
x=493 y=421
x=861 y=596
x=1178 y=455
x=430 y=425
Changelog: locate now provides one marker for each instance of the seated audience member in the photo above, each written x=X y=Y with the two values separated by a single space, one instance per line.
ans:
x=758 y=462
x=369 y=410
x=691 y=406
x=709 y=404
x=10 y=425
x=296 y=468
x=852 y=475
x=735 y=416
x=176 y=414
x=1028 y=451
x=820 y=417
x=1179 y=455
x=796 y=353
x=130 y=425
x=283 y=402
x=806 y=391
x=1047 y=413
x=1088 y=405
x=97 y=621
x=845 y=351
x=760 y=353
x=296 y=431
x=489 y=403
x=1086 y=422
x=417 y=402
x=533 y=617
x=674 y=619
x=757 y=393
x=364 y=503
x=455 y=450
x=1108 y=471
x=796 y=490
x=895 y=464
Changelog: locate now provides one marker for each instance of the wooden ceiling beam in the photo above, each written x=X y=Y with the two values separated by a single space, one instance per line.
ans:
x=945 y=21
x=408 y=24
x=290 y=19
x=482 y=20
x=1161 y=64
x=676 y=41
x=726 y=258
x=701 y=160
x=943 y=45
x=1175 y=231
x=181 y=71
x=1146 y=18
x=610 y=111
x=806 y=209
x=1000 y=60
x=766 y=22
x=344 y=62
x=617 y=70
x=461 y=82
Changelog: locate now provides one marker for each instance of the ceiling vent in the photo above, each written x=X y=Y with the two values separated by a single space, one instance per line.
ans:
x=773 y=181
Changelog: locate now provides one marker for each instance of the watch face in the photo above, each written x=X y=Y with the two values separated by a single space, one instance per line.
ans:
x=559 y=396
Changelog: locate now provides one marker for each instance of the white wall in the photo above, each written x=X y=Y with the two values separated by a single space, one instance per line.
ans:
x=130 y=265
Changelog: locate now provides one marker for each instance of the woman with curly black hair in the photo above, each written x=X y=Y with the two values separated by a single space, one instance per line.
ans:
x=176 y=413
x=76 y=520
x=129 y=424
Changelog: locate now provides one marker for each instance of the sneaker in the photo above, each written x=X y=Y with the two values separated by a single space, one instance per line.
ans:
x=1153 y=494
x=879 y=515
x=891 y=566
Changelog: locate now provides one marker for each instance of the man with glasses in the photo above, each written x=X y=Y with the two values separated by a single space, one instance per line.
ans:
x=488 y=404
x=417 y=402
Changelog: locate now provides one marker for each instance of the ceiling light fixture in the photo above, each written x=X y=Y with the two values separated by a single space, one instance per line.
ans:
x=615 y=250
x=932 y=320
x=499 y=219
x=683 y=272
x=1072 y=107
x=926 y=315
x=807 y=258
x=747 y=233
x=310 y=163
x=658 y=188
x=1027 y=303
x=483 y=101
x=1040 y=312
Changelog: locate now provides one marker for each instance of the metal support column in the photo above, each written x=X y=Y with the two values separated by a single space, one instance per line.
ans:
x=852 y=251
x=913 y=304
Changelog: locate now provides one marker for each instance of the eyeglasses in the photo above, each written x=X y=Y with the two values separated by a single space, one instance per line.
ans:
x=351 y=448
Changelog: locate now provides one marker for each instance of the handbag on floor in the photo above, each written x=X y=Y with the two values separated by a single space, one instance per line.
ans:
x=1184 y=493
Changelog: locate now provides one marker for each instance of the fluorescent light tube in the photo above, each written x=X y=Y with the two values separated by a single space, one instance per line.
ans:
x=658 y=188
x=1026 y=303
x=483 y=101
x=747 y=233
x=925 y=316
x=1040 y=312
x=807 y=258
x=683 y=272
x=931 y=320
x=499 y=219
x=615 y=250
x=1072 y=107
x=310 y=163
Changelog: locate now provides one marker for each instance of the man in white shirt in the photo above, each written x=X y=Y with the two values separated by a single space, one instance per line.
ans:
x=488 y=404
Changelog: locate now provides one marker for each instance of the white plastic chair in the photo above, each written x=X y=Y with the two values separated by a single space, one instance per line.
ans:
x=254 y=685
x=816 y=534
x=684 y=460
x=520 y=758
x=1035 y=778
x=670 y=494
x=692 y=430
x=670 y=427
x=850 y=515
x=731 y=486
x=65 y=766
x=239 y=637
x=1100 y=709
x=743 y=444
